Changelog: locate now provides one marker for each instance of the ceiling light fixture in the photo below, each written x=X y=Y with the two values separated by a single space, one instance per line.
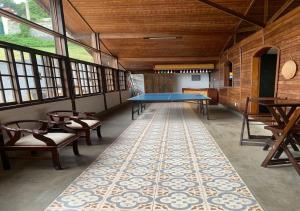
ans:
x=163 y=38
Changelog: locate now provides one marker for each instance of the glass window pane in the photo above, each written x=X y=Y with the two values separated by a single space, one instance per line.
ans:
x=49 y=82
x=1 y=97
x=43 y=82
x=60 y=92
x=21 y=34
x=22 y=82
x=18 y=56
x=4 y=68
x=51 y=92
x=57 y=72
x=33 y=94
x=7 y=84
x=79 y=52
x=9 y=96
x=29 y=70
x=58 y=82
x=3 y=54
x=27 y=57
x=31 y=82
x=44 y=93
x=39 y=60
x=20 y=69
x=55 y=62
x=25 y=95
x=41 y=71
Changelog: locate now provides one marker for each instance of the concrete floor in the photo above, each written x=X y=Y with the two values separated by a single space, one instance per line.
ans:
x=32 y=185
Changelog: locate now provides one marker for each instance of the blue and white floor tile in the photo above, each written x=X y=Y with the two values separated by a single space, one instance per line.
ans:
x=166 y=160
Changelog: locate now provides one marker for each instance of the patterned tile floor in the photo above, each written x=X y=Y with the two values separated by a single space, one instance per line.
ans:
x=165 y=160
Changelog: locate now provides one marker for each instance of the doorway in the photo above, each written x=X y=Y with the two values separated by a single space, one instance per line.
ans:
x=264 y=75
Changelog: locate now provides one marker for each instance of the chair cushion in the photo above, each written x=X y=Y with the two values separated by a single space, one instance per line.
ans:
x=75 y=125
x=29 y=140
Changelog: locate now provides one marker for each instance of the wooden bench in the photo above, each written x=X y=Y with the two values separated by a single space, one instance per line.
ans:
x=21 y=138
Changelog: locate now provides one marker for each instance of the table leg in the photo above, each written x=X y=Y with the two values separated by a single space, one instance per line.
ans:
x=132 y=111
x=207 y=112
x=292 y=159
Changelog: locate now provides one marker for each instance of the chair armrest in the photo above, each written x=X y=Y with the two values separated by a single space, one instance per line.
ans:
x=78 y=120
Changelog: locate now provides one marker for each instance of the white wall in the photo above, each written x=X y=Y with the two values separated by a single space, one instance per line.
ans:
x=125 y=95
x=185 y=81
x=34 y=112
x=90 y=104
x=112 y=99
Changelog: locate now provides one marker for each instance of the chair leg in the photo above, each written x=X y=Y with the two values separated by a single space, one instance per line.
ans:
x=99 y=132
x=75 y=148
x=242 y=132
x=88 y=137
x=5 y=160
x=55 y=159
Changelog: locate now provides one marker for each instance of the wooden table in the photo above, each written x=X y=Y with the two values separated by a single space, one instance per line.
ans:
x=286 y=113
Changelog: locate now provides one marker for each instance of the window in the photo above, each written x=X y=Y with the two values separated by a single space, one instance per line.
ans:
x=24 y=35
x=86 y=78
x=25 y=75
x=50 y=75
x=108 y=60
x=228 y=74
x=109 y=80
x=122 y=79
x=30 y=10
x=78 y=52
x=95 y=83
x=7 y=94
x=116 y=79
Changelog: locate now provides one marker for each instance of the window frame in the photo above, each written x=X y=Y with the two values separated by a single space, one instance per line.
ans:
x=122 y=80
x=97 y=71
x=12 y=65
x=109 y=80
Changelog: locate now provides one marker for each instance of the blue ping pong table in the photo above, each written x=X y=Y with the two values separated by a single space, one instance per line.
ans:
x=138 y=102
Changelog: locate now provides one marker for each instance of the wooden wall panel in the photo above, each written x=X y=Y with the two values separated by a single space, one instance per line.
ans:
x=283 y=34
x=159 y=83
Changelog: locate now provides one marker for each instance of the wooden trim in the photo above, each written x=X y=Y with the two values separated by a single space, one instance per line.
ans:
x=266 y=11
x=237 y=25
x=255 y=67
x=247 y=29
x=232 y=13
x=280 y=11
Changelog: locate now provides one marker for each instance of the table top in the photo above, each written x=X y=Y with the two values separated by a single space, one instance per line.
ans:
x=168 y=97
x=279 y=102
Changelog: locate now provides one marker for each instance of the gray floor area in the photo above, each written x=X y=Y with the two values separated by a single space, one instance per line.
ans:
x=32 y=185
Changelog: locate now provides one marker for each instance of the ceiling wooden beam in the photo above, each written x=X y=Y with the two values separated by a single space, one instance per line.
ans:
x=143 y=35
x=266 y=11
x=232 y=13
x=238 y=25
x=280 y=11
x=247 y=29
x=169 y=59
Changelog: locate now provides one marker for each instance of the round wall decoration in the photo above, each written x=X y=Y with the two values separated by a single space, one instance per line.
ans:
x=289 y=69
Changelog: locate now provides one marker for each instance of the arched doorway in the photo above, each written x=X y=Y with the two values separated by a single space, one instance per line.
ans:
x=264 y=75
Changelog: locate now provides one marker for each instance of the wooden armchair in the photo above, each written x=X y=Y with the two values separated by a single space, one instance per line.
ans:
x=255 y=119
x=21 y=138
x=81 y=122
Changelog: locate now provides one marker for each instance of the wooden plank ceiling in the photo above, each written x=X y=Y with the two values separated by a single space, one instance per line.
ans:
x=201 y=30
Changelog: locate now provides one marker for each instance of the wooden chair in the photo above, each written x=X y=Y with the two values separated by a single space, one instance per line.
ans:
x=81 y=122
x=250 y=119
x=20 y=138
